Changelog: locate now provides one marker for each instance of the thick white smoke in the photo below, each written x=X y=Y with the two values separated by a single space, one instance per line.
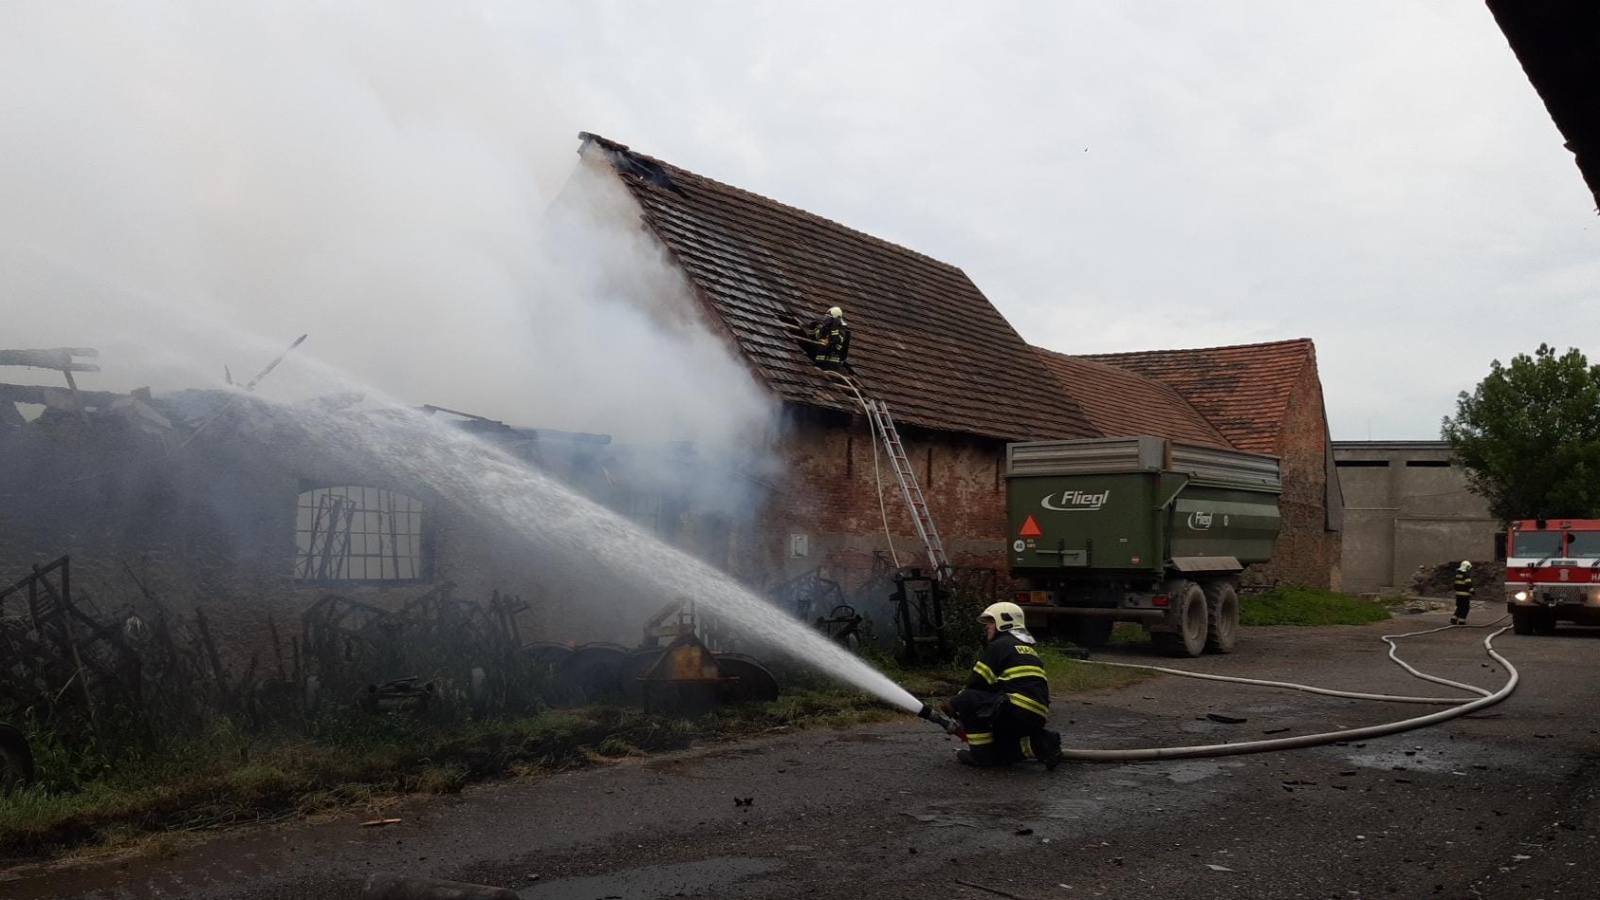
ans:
x=189 y=186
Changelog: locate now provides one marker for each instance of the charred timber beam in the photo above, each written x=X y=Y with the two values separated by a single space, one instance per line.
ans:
x=38 y=394
x=59 y=359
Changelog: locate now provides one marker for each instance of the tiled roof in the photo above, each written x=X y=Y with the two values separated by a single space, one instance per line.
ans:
x=1243 y=390
x=924 y=339
x=1123 y=403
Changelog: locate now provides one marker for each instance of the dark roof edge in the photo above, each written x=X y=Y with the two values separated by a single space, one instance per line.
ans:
x=891 y=245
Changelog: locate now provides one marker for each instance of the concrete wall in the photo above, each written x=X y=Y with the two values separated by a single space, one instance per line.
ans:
x=1406 y=507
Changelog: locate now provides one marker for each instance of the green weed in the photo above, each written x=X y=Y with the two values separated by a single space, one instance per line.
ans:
x=1308 y=606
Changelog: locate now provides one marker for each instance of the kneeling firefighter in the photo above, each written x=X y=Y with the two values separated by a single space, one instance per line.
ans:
x=1006 y=703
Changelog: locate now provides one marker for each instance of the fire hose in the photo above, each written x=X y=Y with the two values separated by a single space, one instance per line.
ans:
x=1458 y=708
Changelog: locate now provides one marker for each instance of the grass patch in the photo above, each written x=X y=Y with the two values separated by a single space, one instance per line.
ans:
x=1308 y=606
x=229 y=777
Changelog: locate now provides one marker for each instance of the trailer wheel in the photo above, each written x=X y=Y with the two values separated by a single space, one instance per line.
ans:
x=1222 y=617
x=16 y=760
x=1190 y=638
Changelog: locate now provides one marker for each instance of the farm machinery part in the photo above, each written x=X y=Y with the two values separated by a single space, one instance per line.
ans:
x=682 y=675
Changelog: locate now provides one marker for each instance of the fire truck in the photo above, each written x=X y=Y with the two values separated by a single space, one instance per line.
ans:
x=1552 y=573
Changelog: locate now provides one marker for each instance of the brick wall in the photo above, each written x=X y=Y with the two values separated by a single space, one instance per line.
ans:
x=1307 y=551
x=829 y=495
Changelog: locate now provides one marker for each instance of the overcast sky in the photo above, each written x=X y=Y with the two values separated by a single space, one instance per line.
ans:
x=1376 y=175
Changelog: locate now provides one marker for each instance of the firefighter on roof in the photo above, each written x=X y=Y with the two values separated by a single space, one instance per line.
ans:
x=1463 y=593
x=1006 y=703
x=828 y=340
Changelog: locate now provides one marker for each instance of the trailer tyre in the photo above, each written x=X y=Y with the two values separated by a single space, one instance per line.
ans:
x=1190 y=638
x=1222 y=617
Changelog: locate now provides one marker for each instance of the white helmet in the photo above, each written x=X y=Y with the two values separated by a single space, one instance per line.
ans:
x=835 y=312
x=1005 y=616
x=1465 y=565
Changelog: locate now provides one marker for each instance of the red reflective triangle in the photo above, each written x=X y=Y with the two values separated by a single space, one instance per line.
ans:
x=1030 y=528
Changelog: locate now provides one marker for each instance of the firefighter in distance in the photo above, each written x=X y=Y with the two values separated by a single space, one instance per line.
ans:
x=1463 y=587
x=1006 y=704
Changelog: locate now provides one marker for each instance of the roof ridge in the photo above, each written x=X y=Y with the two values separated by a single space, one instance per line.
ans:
x=733 y=189
x=1283 y=343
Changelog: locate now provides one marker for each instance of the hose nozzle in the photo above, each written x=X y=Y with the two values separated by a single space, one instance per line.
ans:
x=949 y=725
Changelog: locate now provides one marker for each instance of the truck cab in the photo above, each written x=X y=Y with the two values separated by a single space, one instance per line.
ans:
x=1552 y=573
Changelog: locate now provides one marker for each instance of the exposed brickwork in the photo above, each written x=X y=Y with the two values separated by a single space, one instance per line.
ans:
x=1307 y=551
x=830 y=494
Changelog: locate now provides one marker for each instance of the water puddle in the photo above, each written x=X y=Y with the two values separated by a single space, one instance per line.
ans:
x=652 y=882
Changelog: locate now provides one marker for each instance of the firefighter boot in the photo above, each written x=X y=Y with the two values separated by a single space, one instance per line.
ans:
x=1047 y=744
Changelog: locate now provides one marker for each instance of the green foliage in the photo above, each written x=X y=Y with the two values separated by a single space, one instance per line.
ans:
x=1529 y=436
x=1308 y=606
x=1071 y=676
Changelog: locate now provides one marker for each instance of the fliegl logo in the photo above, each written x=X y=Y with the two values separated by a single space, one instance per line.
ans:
x=1075 y=501
x=1199 y=521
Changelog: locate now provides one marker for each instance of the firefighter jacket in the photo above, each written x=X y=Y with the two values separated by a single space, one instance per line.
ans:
x=1011 y=666
x=1463 y=584
x=832 y=341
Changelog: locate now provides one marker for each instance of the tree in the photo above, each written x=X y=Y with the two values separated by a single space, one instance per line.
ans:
x=1529 y=436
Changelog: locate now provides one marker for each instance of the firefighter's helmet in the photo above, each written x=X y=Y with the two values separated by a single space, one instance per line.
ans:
x=835 y=312
x=1466 y=566
x=1005 y=616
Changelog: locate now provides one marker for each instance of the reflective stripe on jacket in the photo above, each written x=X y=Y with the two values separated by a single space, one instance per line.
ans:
x=1463 y=584
x=1011 y=666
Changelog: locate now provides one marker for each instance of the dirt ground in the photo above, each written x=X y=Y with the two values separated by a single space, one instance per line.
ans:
x=1500 y=804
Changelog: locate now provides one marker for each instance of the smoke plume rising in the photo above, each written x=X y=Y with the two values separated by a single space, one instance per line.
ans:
x=189 y=186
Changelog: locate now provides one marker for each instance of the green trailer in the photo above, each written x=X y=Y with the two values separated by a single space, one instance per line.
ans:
x=1138 y=529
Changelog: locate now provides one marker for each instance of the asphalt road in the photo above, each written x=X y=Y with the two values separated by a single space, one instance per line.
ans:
x=1499 y=804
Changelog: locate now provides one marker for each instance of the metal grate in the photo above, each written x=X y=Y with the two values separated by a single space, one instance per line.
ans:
x=353 y=533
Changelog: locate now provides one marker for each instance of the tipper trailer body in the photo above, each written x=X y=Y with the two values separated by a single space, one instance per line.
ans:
x=1138 y=529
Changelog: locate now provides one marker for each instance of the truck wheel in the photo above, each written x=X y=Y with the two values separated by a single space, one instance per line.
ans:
x=1222 y=617
x=1545 y=622
x=1190 y=638
x=1522 y=621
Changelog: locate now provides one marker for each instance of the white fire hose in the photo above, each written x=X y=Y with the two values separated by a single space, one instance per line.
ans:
x=1458 y=707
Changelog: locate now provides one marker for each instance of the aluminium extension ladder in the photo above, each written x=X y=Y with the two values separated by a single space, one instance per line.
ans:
x=884 y=429
x=883 y=426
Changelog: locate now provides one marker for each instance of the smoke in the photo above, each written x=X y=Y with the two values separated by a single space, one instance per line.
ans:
x=189 y=186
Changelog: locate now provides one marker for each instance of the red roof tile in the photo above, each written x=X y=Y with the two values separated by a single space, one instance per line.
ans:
x=1242 y=390
x=924 y=339
x=1123 y=403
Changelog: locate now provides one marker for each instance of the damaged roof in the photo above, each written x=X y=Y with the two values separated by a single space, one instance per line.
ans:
x=1243 y=390
x=924 y=339
x=1123 y=403
x=1558 y=44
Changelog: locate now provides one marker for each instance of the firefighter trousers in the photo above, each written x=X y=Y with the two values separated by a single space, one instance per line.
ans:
x=1000 y=733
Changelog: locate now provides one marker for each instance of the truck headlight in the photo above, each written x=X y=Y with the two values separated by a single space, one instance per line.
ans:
x=1520 y=596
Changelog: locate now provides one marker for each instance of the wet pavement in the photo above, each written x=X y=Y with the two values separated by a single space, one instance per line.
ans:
x=1499 y=804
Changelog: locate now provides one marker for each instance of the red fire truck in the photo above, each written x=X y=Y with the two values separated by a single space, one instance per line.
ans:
x=1552 y=573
